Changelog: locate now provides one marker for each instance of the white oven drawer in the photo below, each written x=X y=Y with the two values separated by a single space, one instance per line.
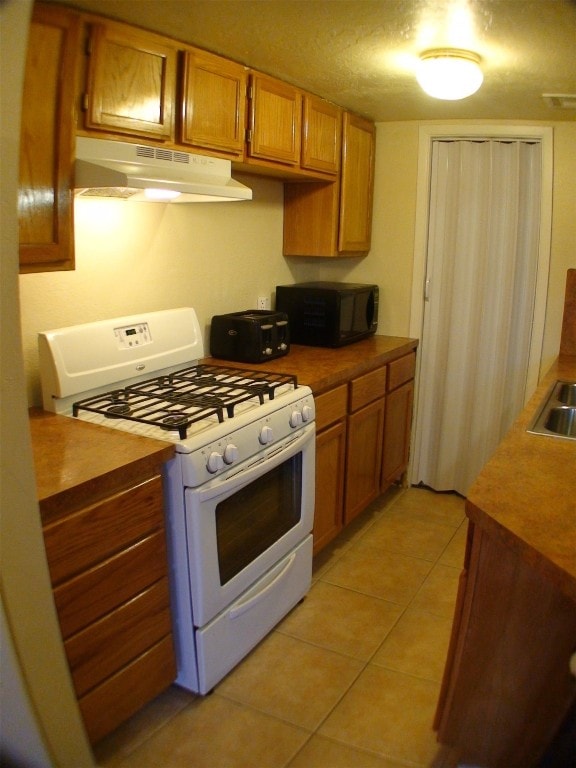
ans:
x=222 y=643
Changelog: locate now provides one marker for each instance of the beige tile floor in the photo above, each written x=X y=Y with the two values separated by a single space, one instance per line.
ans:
x=350 y=678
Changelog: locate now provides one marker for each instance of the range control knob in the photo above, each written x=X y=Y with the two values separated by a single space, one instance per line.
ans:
x=231 y=454
x=215 y=462
x=266 y=436
x=295 y=419
x=307 y=413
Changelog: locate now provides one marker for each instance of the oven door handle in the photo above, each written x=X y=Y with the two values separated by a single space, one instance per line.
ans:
x=241 y=608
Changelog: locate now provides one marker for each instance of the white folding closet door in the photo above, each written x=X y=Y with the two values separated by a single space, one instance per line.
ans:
x=481 y=272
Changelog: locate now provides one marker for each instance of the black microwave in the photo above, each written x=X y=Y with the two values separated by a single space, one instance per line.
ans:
x=324 y=314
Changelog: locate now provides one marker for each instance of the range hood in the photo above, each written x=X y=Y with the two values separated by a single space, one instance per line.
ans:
x=119 y=169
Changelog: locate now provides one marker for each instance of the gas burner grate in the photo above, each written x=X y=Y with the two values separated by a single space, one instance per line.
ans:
x=148 y=409
x=177 y=400
x=252 y=379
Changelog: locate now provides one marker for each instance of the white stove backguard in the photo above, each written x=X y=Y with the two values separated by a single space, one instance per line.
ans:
x=93 y=357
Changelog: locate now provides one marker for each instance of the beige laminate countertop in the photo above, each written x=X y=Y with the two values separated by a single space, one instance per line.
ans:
x=322 y=368
x=526 y=493
x=77 y=463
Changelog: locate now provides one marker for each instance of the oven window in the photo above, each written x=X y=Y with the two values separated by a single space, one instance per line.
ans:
x=253 y=518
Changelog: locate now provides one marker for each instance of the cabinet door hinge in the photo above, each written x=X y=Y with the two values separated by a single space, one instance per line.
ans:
x=85 y=102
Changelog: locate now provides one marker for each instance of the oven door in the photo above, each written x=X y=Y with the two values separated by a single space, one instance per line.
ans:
x=240 y=525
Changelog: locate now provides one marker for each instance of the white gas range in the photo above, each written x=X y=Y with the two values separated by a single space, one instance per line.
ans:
x=239 y=495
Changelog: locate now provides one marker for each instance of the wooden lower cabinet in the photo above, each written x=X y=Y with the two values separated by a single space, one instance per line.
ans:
x=363 y=456
x=362 y=443
x=109 y=575
x=330 y=464
x=507 y=684
x=397 y=427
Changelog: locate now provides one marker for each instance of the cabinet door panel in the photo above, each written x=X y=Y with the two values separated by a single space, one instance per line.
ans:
x=357 y=184
x=275 y=120
x=401 y=370
x=120 y=696
x=364 y=456
x=45 y=211
x=106 y=586
x=131 y=83
x=330 y=469
x=322 y=135
x=331 y=406
x=109 y=644
x=85 y=538
x=366 y=388
x=214 y=106
x=397 y=427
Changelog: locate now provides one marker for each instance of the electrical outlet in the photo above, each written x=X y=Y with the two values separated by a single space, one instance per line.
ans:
x=263 y=302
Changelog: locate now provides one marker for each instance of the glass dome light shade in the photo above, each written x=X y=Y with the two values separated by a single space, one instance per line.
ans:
x=449 y=74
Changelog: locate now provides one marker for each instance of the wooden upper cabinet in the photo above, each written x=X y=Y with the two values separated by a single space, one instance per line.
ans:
x=335 y=218
x=321 y=135
x=357 y=184
x=214 y=103
x=131 y=85
x=275 y=121
x=45 y=205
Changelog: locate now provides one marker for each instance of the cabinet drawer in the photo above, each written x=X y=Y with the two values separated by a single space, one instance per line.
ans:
x=401 y=370
x=93 y=594
x=108 y=645
x=330 y=406
x=87 y=537
x=367 y=388
x=123 y=694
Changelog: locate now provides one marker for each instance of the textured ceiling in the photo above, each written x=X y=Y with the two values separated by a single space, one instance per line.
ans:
x=361 y=53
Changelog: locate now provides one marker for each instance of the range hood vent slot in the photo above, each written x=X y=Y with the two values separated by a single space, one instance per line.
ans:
x=117 y=169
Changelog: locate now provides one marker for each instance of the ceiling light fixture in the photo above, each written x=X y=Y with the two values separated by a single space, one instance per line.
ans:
x=449 y=73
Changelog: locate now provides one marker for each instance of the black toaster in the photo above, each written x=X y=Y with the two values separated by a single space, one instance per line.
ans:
x=252 y=336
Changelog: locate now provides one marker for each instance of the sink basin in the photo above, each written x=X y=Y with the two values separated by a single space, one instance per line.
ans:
x=567 y=393
x=556 y=416
x=562 y=420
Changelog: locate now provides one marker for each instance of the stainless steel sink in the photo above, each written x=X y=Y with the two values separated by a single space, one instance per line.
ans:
x=567 y=393
x=556 y=416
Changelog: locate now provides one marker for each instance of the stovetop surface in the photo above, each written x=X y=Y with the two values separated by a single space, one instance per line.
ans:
x=185 y=401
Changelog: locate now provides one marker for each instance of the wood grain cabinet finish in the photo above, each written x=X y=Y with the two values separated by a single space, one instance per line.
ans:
x=335 y=219
x=398 y=419
x=275 y=121
x=214 y=104
x=109 y=576
x=131 y=82
x=507 y=684
x=362 y=443
x=45 y=206
x=330 y=464
x=357 y=185
x=321 y=135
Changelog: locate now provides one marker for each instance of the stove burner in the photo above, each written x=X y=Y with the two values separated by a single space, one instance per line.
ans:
x=118 y=411
x=175 y=421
